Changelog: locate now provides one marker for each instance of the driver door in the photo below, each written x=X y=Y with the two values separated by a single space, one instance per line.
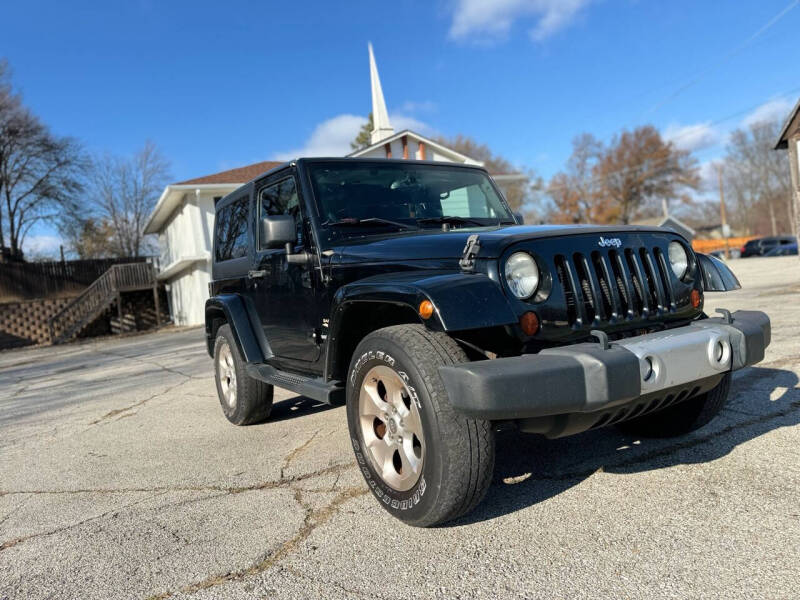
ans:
x=283 y=294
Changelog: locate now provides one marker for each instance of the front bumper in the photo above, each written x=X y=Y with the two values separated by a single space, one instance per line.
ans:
x=586 y=378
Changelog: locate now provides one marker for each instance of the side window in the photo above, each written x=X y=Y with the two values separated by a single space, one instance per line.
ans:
x=232 y=231
x=280 y=199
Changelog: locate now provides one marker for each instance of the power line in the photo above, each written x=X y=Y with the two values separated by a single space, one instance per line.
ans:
x=728 y=117
x=724 y=58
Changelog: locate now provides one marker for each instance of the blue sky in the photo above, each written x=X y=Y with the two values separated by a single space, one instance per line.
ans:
x=217 y=85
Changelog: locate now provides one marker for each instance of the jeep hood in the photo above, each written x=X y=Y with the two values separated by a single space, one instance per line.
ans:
x=435 y=244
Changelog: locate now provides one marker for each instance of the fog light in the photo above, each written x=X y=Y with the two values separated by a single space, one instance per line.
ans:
x=697 y=299
x=426 y=309
x=647 y=369
x=529 y=323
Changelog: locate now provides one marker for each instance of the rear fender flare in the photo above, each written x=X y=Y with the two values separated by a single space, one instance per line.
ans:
x=232 y=309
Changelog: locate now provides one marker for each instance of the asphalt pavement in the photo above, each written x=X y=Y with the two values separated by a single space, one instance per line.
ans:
x=120 y=478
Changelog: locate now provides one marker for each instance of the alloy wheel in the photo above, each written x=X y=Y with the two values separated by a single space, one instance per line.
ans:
x=391 y=428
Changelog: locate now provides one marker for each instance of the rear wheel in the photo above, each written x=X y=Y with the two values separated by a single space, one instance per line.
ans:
x=424 y=462
x=684 y=417
x=244 y=400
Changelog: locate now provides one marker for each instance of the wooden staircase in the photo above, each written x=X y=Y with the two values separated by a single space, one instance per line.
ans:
x=100 y=295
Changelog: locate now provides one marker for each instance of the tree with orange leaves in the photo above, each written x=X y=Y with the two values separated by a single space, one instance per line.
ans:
x=635 y=174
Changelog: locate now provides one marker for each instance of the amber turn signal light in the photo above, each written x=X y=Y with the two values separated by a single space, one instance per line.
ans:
x=696 y=298
x=426 y=309
x=529 y=323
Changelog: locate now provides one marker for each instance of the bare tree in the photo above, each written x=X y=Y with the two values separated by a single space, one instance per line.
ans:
x=87 y=237
x=40 y=173
x=123 y=192
x=636 y=175
x=639 y=172
x=576 y=192
x=759 y=179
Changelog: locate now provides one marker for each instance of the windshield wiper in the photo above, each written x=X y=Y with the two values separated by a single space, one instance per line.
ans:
x=454 y=220
x=353 y=222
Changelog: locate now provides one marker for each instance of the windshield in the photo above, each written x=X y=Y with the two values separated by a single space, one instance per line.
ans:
x=367 y=197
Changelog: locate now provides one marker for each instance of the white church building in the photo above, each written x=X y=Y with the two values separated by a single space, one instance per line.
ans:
x=183 y=217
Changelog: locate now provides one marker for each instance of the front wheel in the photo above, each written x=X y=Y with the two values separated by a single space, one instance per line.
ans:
x=683 y=417
x=424 y=462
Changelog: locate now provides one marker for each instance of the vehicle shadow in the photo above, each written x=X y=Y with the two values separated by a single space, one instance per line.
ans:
x=530 y=469
x=296 y=406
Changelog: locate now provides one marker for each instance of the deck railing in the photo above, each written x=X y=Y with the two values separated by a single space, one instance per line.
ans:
x=107 y=288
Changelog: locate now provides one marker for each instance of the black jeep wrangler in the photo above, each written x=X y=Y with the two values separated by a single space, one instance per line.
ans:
x=409 y=291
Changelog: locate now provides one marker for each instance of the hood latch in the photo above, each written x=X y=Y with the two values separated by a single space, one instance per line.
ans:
x=467 y=262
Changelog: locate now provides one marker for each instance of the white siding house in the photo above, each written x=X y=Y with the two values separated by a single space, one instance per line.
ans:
x=183 y=218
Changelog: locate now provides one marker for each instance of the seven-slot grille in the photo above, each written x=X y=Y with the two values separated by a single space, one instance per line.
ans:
x=614 y=285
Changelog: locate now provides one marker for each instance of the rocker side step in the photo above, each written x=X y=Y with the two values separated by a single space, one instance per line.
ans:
x=316 y=388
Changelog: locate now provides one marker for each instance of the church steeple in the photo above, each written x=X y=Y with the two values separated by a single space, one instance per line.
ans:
x=381 y=127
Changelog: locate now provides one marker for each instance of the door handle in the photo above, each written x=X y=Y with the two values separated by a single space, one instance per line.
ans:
x=256 y=274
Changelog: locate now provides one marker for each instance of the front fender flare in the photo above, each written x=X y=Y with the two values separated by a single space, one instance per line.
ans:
x=233 y=310
x=460 y=300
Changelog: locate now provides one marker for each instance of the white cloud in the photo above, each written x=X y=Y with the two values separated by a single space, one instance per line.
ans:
x=42 y=245
x=493 y=19
x=692 y=137
x=332 y=137
x=709 y=176
x=773 y=110
x=401 y=122
x=426 y=106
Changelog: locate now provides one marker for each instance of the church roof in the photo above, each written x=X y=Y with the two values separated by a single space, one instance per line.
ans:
x=419 y=138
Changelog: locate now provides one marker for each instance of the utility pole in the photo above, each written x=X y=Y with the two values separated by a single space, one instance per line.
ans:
x=725 y=231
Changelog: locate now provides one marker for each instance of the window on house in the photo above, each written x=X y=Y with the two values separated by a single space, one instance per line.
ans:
x=231 y=236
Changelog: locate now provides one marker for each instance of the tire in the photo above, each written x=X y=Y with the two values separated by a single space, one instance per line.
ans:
x=244 y=400
x=684 y=417
x=443 y=473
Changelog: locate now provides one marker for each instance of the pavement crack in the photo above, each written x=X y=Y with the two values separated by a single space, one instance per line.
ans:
x=314 y=518
x=11 y=543
x=14 y=510
x=294 y=453
x=350 y=592
x=151 y=363
x=265 y=485
x=123 y=412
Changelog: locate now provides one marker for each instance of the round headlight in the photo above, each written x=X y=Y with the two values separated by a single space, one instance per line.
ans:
x=522 y=274
x=678 y=259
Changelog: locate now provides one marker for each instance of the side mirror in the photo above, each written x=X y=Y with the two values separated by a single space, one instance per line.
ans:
x=277 y=230
x=717 y=276
x=519 y=218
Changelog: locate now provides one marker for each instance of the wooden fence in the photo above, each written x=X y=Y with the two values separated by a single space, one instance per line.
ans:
x=26 y=281
x=706 y=246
